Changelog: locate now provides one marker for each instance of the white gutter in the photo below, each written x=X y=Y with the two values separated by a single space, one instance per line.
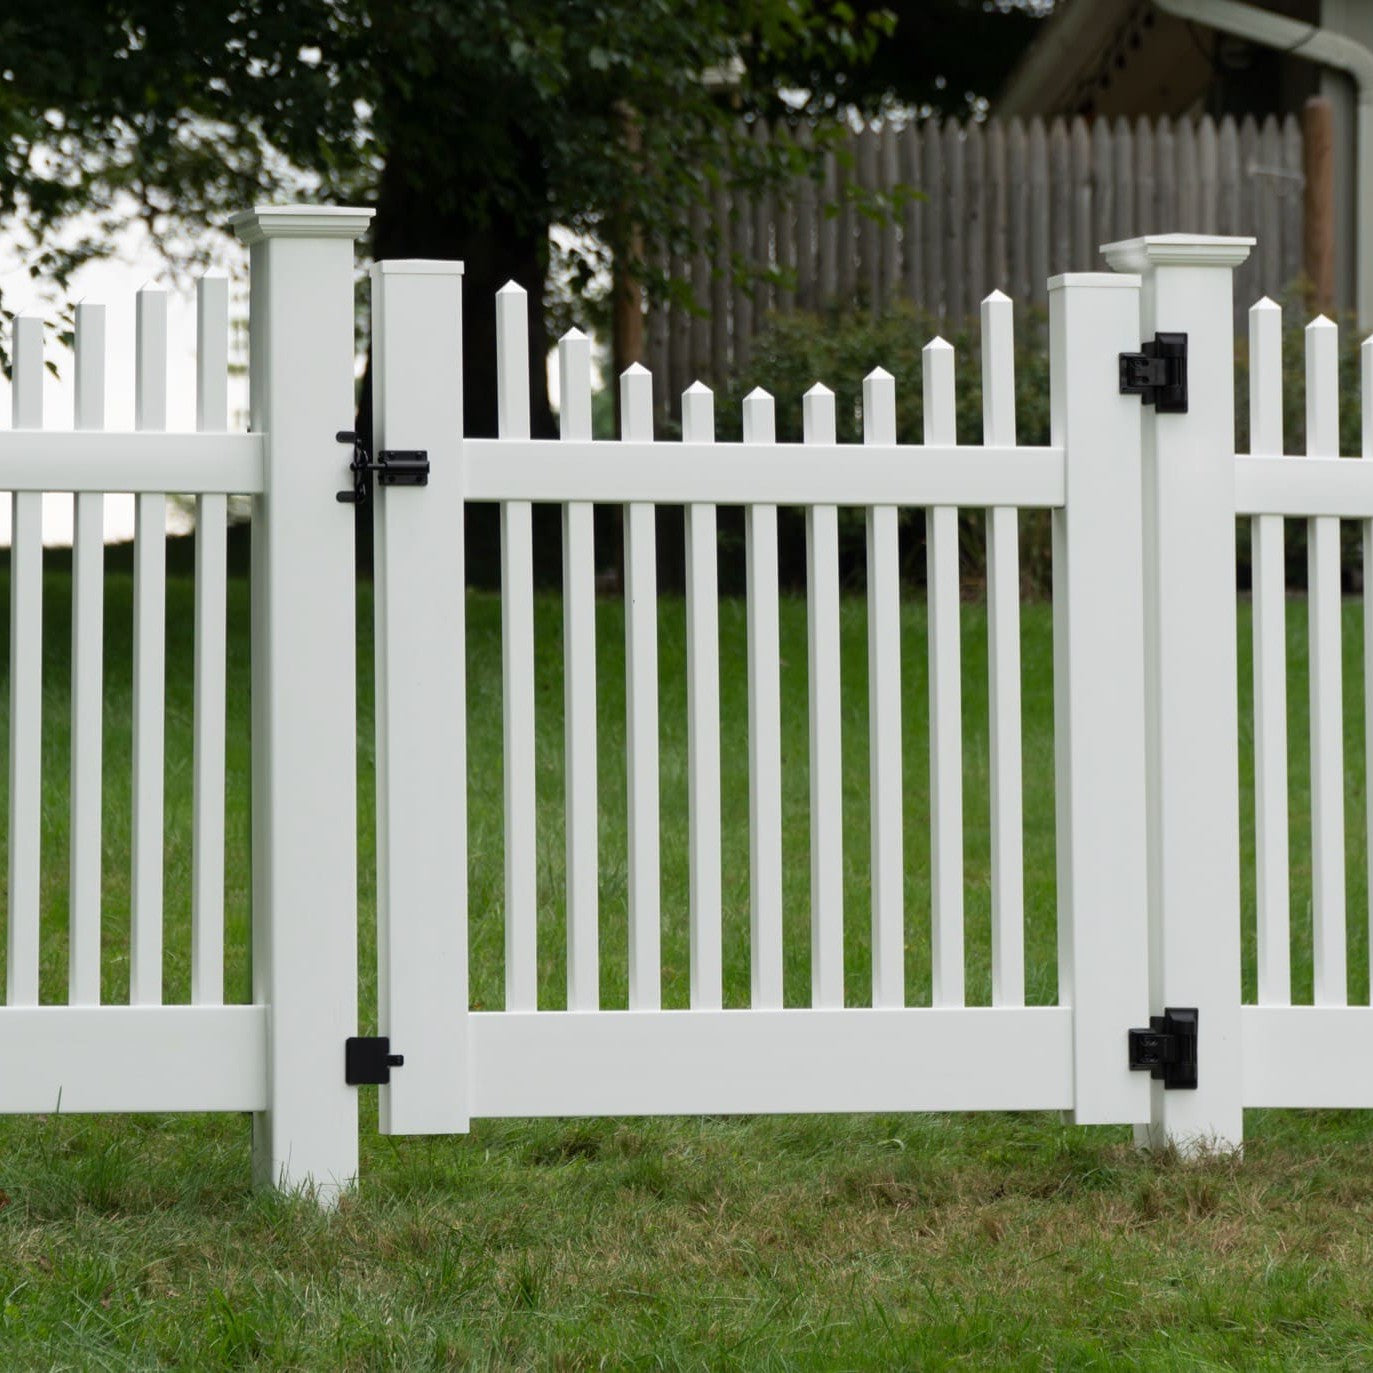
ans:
x=1332 y=50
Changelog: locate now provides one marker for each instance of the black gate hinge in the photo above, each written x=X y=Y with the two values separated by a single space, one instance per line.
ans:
x=369 y=1060
x=1158 y=373
x=394 y=467
x=1167 y=1050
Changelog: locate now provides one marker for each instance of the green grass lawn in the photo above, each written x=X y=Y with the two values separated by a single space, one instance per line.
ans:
x=843 y=1241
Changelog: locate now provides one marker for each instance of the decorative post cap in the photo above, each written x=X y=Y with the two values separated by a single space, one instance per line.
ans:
x=1176 y=250
x=299 y=221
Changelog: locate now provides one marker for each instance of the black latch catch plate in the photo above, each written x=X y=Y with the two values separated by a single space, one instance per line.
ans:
x=1167 y=1050
x=394 y=467
x=1158 y=373
x=369 y=1060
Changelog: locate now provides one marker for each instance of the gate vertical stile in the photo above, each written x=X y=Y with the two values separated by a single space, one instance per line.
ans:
x=1098 y=691
x=421 y=707
x=1190 y=676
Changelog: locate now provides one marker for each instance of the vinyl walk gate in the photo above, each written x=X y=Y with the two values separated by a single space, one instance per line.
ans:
x=1144 y=501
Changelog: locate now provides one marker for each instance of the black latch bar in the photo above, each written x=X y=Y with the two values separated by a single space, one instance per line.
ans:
x=369 y=1060
x=1157 y=374
x=394 y=467
x=1167 y=1050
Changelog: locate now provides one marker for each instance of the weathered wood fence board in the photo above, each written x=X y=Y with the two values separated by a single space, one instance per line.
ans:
x=1001 y=205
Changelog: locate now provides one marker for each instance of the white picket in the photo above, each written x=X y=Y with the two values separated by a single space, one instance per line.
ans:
x=884 y=713
x=517 y=665
x=1327 y=693
x=826 y=746
x=764 y=726
x=149 y=653
x=703 y=719
x=1270 y=669
x=641 y=702
x=211 y=608
x=946 y=696
x=579 y=692
x=87 y=708
x=1366 y=528
x=1003 y=667
x=26 y=682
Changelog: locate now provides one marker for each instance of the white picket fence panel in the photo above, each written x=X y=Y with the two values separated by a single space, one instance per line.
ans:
x=1146 y=727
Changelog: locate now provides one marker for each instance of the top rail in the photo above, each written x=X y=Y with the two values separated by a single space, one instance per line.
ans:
x=190 y=464
x=1303 y=487
x=614 y=472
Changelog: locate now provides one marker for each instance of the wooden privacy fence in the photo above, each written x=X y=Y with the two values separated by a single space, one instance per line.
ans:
x=1145 y=489
x=1002 y=206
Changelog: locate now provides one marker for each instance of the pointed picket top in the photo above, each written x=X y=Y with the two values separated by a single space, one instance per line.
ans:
x=512 y=362
x=760 y=423
x=512 y=288
x=1265 y=303
x=698 y=414
x=636 y=403
x=879 y=406
x=817 y=415
x=1322 y=388
x=573 y=335
x=938 y=344
x=937 y=389
x=995 y=297
x=574 y=385
x=1322 y=322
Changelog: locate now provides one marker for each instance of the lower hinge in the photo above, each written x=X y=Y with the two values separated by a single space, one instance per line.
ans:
x=368 y=1059
x=1157 y=374
x=1167 y=1050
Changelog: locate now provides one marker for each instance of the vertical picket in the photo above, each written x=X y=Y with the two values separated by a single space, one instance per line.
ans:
x=826 y=749
x=579 y=688
x=26 y=682
x=641 y=696
x=1003 y=667
x=421 y=699
x=1366 y=450
x=946 y=710
x=149 y=651
x=703 y=719
x=211 y=610
x=1327 y=703
x=764 y=726
x=517 y=666
x=884 y=714
x=87 y=689
x=1191 y=718
x=1099 y=753
x=1270 y=669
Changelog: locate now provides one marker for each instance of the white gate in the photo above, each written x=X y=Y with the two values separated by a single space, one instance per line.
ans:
x=832 y=1055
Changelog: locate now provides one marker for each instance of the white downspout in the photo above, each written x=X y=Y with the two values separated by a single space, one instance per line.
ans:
x=1332 y=50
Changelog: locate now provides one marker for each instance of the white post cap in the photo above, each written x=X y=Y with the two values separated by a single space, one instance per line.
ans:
x=299 y=221
x=1176 y=250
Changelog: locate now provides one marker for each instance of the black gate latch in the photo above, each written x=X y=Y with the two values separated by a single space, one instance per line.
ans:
x=394 y=467
x=1158 y=374
x=369 y=1060
x=1167 y=1050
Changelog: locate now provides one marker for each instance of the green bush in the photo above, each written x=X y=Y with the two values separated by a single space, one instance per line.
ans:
x=840 y=349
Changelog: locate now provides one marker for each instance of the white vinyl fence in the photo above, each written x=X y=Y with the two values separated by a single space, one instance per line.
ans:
x=1146 y=728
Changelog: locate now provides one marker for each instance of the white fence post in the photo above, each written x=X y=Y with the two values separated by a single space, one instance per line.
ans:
x=1190 y=679
x=1099 y=692
x=421 y=698
x=303 y=704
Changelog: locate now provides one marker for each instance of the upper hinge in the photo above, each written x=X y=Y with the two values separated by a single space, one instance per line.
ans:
x=1167 y=1050
x=394 y=467
x=1158 y=373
